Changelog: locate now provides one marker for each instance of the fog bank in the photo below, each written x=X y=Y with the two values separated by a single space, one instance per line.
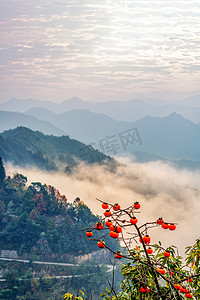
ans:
x=162 y=191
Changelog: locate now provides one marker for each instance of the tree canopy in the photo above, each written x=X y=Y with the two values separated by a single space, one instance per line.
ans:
x=2 y=170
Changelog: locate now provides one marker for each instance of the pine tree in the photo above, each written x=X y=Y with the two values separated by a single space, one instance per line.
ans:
x=2 y=170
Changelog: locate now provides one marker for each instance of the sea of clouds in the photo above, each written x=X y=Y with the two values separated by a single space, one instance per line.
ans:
x=161 y=189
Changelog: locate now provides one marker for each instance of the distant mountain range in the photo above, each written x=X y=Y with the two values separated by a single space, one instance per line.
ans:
x=128 y=111
x=25 y=147
x=11 y=120
x=165 y=138
x=82 y=125
x=172 y=137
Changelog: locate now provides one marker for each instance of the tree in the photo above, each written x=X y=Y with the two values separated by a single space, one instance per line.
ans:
x=2 y=209
x=19 y=180
x=2 y=171
x=151 y=272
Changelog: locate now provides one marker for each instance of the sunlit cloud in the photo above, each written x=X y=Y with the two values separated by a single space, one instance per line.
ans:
x=161 y=189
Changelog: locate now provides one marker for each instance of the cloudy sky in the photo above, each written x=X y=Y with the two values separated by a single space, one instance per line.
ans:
x=99 y=50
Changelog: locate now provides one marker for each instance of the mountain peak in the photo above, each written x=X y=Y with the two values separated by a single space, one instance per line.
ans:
x=177 y=120
x=174 y=115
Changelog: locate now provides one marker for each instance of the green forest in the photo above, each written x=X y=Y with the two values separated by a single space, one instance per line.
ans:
x=24 y=147
x=40 y=224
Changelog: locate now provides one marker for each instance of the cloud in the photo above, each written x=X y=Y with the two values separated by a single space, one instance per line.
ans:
x=83 y=36
x=162 y=190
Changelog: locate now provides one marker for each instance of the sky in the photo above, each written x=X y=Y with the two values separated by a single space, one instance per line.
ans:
x=99 y=50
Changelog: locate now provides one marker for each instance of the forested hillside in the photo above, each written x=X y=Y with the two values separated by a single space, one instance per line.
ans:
x=37 y=219
x=25 y=147
x=40 y=224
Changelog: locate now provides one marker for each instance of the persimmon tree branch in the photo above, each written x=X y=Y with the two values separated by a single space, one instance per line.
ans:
x=147 y=266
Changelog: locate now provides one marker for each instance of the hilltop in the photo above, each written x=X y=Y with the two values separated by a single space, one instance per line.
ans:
x=25 y=147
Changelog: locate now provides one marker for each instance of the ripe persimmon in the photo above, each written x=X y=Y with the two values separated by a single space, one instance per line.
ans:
x=116 y=207
x=149 y=250
x=160 y=221
x=147 y=239
x=183 y=289
x=166 y=253
x=118 y=255
x=89 y=234
x=101 y=244
x=107 y=213
x=165 y=225
x=118 y=229
x=108 y=223
x=188 y=295
x=133 y=220
x=177 y=286
x=136 y=205
x=112 y=228
x=105 y=205
x=161 y=271
x=144 y=289
x=114 y=234
x=172 y=226
x=99 y=226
